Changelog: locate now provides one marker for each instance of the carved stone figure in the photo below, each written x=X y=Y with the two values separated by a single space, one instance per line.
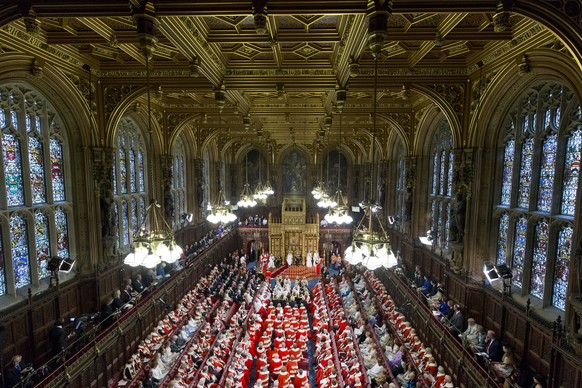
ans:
x=459 y=217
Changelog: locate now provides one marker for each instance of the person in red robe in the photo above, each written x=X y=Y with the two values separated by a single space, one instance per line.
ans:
x=300 y=380
x=283 y=377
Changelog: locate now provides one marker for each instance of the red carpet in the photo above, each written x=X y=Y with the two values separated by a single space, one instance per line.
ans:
x=297 y=271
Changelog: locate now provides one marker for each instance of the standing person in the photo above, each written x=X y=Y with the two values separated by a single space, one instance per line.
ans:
x=317 y=262
x=57 y=338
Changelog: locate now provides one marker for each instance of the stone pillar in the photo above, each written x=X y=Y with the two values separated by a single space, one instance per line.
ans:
x=103 y=160
x=463 y=174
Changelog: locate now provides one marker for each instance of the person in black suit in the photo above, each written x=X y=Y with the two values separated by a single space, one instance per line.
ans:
x=137 y=284
x=457 y=321
x=57 y=337
x=493 y=347
x=13 y=372
x=117 y=303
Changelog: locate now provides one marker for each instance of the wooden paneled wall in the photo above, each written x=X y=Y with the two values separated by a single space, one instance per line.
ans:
x=26 y=328
x=534 y=340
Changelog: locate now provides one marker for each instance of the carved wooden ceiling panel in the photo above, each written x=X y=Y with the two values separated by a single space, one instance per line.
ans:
x=285 y=79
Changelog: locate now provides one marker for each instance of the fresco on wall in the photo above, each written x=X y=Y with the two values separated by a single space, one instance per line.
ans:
x=294 y=173
x=330 y=173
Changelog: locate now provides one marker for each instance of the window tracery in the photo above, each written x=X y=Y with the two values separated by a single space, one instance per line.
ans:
x=33 y=163
x=543 y=140
x=128 y=182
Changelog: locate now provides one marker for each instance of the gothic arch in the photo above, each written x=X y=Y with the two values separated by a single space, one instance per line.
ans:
x=282 y=154
x=54 y=86
x=446 y=109
x=510 y=84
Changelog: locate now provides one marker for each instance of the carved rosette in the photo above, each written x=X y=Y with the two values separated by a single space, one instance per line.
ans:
x=174 y=119
x=453 y=95
x=115 y=94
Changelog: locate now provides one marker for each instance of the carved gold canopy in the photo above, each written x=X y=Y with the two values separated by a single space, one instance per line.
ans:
x=279 y=64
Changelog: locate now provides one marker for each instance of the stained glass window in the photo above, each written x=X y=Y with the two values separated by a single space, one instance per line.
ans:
x=435 y=172
x=525 y=173
x=114 y=178
x=42 y=242
x=141 y=171
x=178 y=182
x=540 y=258
x=432 y=216
x=2 y=278
x=36 y=165
x=571 y=172
x=19 y=244
x=57 y=174
x=116 y=211
x=129 y=165
x=551 y=131
x=32 y=133
x=440 y=224
x=132 y=172
x=502 y=239
x=561 y=271
x=14 y=118
x=125 y=222
x=507 y=178
x=28 y=122
x=442 y=184
x=519 y=251
x=142 y=209
x=134 y=221
x=122 y=171
x=442 y=173
x=548 y=165
x=12 y=170
x=62 y=230
x=450 y=175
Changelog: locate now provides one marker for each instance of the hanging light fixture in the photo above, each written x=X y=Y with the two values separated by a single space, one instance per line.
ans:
x=246 y=199
x=339 y=213
x=260 y=193
x=268 y=188
x=154 y=241
x=325 y=200
x=371 y=244
x=220 y=211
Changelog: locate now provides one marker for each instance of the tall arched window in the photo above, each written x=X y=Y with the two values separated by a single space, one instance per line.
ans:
x=542 y=139
x=441 y=192
x=401 y=193
x=178 y=182
x=32 y=186
x=129 y=185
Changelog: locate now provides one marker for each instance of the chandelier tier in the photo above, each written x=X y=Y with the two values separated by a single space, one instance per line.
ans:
x=246 y=198
x=339 y=213
x=154 y=241
x=220 y=211
x=370 y=243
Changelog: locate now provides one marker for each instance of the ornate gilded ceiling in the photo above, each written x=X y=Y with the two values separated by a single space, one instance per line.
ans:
x=282 y=83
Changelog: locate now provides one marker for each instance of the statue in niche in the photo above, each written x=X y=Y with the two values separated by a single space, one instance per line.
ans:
x=168 y=204
x=295 y=168
x=408 y=208
x=200 y=193
x=458 y=219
